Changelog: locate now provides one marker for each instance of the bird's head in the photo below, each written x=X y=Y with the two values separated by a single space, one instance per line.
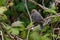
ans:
x=33 y=11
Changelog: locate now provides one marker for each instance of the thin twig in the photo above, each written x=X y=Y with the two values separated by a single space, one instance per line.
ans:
x=28 y=10
x=28 y=35
x=58 y=14
x=43 y=2
x=29 y=16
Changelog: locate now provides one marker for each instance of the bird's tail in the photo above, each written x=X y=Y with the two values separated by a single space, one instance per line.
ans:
x=41 y=26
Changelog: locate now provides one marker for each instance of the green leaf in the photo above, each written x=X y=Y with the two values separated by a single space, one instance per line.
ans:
x=23 y=34
x=30 y=25
x=51 y=11
x=2 y=9
x=37 y=28
x=7 y=38
x=31 y=6
x=15 y=31
x=55 y=19
x=20 y=7
x=17 y=23
x=45 y=38
x=2 y=2
x=34 y=36
x=54 y=35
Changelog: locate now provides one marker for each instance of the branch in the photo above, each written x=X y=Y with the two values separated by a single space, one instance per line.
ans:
x=43 y=2
x=58 y=14
x=28 y=34
x=48 y=19
x=44 y=8
x=27 y=10
x=30 y=18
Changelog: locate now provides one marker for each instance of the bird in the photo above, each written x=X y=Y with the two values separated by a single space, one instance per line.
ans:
x=37 y=18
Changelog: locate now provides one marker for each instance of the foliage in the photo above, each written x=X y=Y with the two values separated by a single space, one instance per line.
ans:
x=17 y=12
x=2 y=2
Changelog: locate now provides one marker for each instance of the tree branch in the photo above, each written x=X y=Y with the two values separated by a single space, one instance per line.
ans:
x=58 y=14
x=30 y=18
x=28 y=34
x=27 y=10
x=43 y=2
x=44 y=8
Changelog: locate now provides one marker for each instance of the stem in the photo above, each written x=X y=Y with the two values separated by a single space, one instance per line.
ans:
x=29 y=17
x=28 y=34
x=43 y=2
x=28 y=10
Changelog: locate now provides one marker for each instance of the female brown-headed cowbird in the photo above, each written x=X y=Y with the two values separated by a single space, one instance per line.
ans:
x=37 y=18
